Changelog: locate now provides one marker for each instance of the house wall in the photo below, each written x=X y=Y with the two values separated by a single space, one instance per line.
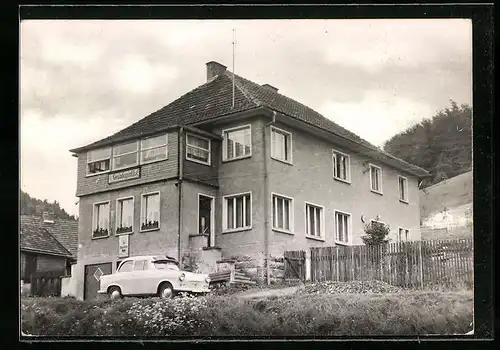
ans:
x=151 y=172
x=243 y=175
x=46 y=263
x=102 y=250
x=310 y=178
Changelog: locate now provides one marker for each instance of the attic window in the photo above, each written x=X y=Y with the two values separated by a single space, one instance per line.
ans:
x=198 y=149
x=98 y=161
x=154 y=149
x=125 y=155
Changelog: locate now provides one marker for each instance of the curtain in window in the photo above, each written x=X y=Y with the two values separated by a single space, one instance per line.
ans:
x=125 y=213
x=279 y=142
x=151 y=210
x=340 y=227
x=102 y=215
x=198 y=148
x=238 y=143
x=230 y=213
x=375 y=179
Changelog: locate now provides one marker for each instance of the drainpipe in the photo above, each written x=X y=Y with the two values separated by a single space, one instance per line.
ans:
x=266 y=198
x=180 y=162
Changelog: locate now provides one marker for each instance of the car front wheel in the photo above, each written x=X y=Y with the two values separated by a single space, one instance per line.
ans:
x=115 y=293
x=166 y=291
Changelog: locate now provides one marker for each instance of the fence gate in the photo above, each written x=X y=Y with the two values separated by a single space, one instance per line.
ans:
x=295 y=265
x=46 y=283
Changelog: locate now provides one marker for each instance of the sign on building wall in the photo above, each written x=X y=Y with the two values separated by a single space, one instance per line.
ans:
x=124 y=175
x=123 y=246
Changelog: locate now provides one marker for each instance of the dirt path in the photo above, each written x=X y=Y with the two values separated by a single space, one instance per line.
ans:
x=268 y=292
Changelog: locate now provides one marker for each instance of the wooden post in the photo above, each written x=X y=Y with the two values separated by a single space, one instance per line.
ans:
x=421 y=264
x=352 y=263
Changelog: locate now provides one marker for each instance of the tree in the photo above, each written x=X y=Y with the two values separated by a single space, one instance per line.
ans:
x=376 y=233
x=34 y=206
x=441 y=144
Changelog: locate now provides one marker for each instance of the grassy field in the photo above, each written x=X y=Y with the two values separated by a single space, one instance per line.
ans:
x=319 y=314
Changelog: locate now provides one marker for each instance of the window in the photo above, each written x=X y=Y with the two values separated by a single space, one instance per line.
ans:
x=165 y=265
x=342 y=227
x=198 y=149
x=125 y=155
x=237 y=212
x=376 y=178
x=100 y=227
x=314 y=220
x=403 y=234
x=341 y=166
x=125 y=215
x=150 y=211
x=140 y=265
x=154 y=149
x=281 y=145
x=127 y=266
x=403 y=189
x=98 y=161
x=282 y=213
x=237 y=143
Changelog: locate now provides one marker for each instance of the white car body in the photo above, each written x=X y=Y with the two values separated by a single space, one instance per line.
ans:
x=145 y=277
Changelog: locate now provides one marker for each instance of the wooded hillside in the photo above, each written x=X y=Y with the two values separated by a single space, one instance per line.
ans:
x=441 y=144
x=33 y=206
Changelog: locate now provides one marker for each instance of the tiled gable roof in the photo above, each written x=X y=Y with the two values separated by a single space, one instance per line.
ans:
x=36 y=238
x=214 y=99
x=65 y=231
x=209 y=100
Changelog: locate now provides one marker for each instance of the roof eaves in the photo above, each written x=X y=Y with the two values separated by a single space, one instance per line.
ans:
x=409 y=167
x=41 y=251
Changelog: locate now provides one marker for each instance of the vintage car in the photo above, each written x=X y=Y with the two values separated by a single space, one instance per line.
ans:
x=152 y=276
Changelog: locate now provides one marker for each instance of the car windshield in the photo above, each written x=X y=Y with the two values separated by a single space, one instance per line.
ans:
x=165 y=265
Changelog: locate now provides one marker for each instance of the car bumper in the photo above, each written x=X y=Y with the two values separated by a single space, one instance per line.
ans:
x=101 y=292
x=194 y=290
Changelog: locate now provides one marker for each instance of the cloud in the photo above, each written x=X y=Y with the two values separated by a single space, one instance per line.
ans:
x=48 y=171
x=84 y=80
x=378 y=117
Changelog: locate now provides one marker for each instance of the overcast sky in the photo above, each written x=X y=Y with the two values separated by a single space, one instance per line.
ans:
x=84 y=80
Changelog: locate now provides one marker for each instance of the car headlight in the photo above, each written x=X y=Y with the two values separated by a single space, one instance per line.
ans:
x=182 y=276
x=207 y=279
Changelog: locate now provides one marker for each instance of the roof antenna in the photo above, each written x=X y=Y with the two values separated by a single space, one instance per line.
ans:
x=234 y=43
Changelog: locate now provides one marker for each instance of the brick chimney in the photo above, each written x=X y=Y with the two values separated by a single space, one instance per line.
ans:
x=214 y=68
x=267 y=86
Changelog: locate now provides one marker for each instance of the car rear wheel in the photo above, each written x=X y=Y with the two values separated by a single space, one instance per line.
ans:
x=115 y=293
x=166 y=291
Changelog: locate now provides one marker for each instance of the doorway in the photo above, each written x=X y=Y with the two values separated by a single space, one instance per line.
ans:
x=92 y=276
x=206 y=218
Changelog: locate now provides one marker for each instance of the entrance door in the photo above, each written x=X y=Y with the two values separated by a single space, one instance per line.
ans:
x=205 y=218
x=92 y=275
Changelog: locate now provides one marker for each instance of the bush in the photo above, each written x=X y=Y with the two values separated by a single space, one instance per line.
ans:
x=412 y=313
x=376 y=233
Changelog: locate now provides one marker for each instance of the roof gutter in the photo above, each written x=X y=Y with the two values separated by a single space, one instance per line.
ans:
x=267 y=208
x=29 y=250
x=180 y=162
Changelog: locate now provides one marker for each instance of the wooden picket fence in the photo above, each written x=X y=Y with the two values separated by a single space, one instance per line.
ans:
x=46 y=283
x=416 y=264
